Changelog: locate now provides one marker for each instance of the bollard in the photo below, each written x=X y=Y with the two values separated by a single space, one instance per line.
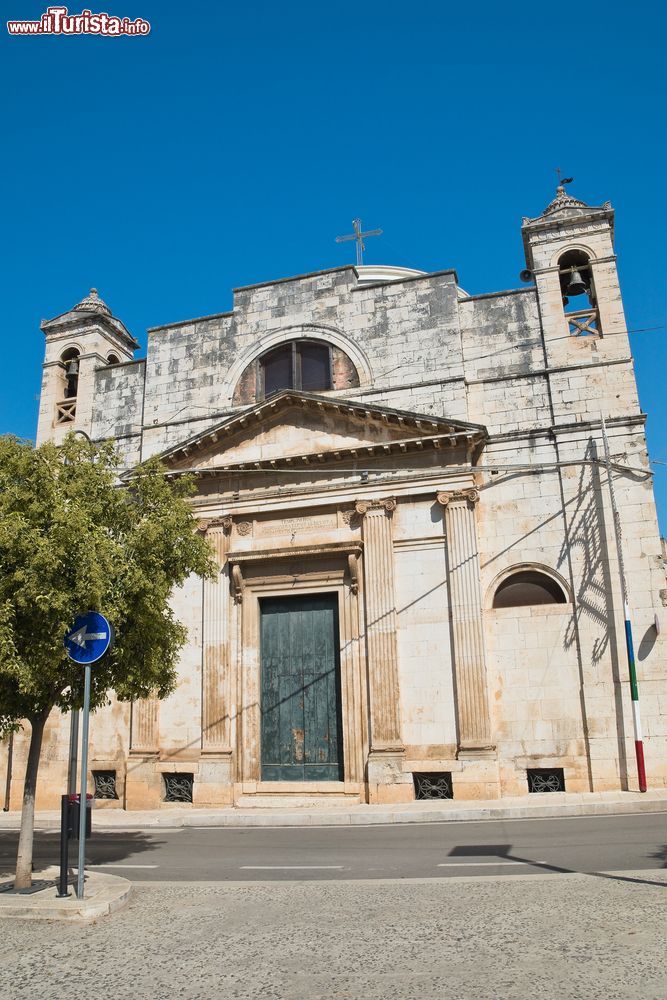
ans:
x=64 y=846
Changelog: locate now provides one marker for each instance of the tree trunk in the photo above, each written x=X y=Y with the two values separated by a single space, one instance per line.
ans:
x=23 y=878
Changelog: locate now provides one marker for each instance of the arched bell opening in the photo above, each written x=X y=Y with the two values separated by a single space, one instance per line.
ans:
x=576 y=280
x=66 y=404
x=578 y=291
x=70 y=360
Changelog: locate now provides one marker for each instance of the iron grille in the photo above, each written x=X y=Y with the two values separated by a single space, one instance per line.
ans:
x=105 y=784
x=546 y=779
x=178 y=787
x=433 y=784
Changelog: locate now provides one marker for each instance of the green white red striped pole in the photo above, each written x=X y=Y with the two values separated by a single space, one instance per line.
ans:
x=634 y=690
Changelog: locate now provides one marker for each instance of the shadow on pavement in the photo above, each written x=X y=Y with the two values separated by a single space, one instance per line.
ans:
x=504 y=852
x=101 y=848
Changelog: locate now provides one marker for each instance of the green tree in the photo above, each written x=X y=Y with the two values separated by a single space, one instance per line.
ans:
x=73 y=539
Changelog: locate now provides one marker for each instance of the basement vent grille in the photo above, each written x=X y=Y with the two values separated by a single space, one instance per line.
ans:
x=546 y=779
x=105 y=784
x=433 y=784
x=178 y=787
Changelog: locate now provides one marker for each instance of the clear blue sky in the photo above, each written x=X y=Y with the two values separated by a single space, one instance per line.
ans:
x=235 y=142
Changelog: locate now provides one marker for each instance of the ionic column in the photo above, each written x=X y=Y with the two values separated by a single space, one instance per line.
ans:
x=466 y=614
x=216 y=687
x=381 y=624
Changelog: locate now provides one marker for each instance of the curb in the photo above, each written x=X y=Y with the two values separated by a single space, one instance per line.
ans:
x=322 y=819
x=106 y=894
x=402 y=818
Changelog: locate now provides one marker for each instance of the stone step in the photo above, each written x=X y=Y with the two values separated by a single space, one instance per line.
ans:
x=294 y=800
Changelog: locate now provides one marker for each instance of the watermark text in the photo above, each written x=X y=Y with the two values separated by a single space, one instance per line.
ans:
x=58 y=21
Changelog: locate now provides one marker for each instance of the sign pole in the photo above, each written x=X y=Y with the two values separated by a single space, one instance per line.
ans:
x=83 y=802
x=89 y=638
x=73 y=748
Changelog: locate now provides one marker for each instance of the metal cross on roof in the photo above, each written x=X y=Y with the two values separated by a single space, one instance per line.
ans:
x=358 y=236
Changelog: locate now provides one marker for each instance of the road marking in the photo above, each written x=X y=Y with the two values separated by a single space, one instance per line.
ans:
x=289 y=868
x=485 y=864
x=115 y=865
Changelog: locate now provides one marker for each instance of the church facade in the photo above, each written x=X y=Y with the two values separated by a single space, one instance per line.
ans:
x=405 y=490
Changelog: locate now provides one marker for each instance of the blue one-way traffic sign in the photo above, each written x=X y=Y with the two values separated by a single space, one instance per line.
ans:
x=89 y=638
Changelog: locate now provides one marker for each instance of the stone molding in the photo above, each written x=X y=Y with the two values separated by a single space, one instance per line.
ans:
x=238 y=585
x=353 y=570
x=349 y=550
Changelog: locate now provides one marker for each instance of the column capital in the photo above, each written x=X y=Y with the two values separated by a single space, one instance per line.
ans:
x=471 y=497
x=365 y=506
x=212 y=523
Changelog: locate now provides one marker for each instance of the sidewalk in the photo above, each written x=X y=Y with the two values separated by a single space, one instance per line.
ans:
x=551 y=805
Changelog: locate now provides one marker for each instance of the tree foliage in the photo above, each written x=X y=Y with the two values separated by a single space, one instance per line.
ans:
x=73 y=539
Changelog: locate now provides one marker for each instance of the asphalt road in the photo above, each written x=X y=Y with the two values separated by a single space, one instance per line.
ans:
x=442 y=850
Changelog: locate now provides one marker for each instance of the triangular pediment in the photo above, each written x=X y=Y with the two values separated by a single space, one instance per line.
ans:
x=302 y=428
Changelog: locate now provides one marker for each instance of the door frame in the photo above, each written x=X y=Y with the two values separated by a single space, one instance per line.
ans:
x=326 y=574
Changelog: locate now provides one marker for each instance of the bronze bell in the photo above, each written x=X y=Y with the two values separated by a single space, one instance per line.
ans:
x=576 y=285
x=73 y=368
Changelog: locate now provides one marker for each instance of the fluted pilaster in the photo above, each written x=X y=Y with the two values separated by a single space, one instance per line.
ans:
x=145 y=738
x=381 y=623
x=466 y=613
x=216 y=682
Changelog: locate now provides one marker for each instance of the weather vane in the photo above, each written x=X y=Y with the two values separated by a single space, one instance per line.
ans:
x=562 y=181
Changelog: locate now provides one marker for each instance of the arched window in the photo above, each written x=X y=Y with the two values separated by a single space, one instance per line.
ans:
x=309 y=365
x=113 y=359
x=70 y=359
x=527 y=587
x=300 y=364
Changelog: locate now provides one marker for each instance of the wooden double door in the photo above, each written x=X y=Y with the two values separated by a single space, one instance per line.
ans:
x=301 y=734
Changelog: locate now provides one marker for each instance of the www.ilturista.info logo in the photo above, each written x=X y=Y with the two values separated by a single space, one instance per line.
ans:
x=58 y=21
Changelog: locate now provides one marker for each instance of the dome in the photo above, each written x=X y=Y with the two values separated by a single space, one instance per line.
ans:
x=93 y=303
x=371 y=274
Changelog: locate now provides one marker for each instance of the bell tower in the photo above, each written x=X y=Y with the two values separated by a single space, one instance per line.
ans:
x=78 y=342
x=570 y=254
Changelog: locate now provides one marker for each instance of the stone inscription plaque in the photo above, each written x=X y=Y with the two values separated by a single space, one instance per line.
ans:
x=296 y=525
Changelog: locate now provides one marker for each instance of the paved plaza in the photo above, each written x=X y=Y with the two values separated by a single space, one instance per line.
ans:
x=548 y=936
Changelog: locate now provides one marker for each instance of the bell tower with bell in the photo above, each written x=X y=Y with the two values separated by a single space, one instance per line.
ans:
x=78 y=343
x=570 y=255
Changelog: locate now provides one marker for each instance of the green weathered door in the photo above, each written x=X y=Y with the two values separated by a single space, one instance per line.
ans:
x=301 y=732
